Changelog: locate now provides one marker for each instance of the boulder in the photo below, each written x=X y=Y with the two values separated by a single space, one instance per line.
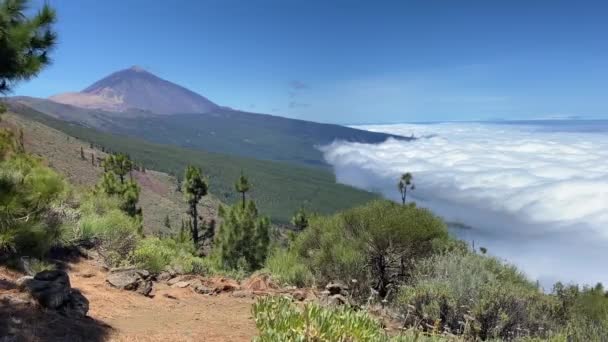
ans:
x=52 y=290
x=124 y=279
x=76 y=306
x=131 y=279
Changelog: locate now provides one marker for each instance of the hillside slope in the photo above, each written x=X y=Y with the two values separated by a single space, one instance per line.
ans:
x=158 y=197
x=279 y=188
x=221 y=130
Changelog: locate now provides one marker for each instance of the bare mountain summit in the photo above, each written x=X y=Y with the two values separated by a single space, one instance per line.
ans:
x=135 y=88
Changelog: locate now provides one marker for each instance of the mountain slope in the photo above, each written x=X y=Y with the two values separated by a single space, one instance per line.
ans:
x=135 y=88
x=222 y=130
x=279 y=188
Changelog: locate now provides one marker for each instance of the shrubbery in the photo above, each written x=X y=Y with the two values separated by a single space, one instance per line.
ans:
x=477 y=296
x=155 y=255
x=28 y=190
x=376 y=244
x=278 y=319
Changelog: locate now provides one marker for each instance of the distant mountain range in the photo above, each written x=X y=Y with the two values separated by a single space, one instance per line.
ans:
x=137 y=103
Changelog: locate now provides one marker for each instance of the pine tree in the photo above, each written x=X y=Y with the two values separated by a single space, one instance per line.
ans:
x=243 y=238
x=300 y=219
x=242 y=186
x=119 y=164
x=194 y=188
x=25 y=42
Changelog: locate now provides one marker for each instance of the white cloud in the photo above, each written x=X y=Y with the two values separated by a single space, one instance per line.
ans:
x=537 y=197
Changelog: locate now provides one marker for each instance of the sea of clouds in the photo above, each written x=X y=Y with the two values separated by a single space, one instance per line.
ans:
x=533 y=194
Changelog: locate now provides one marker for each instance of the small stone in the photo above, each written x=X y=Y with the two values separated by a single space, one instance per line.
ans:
x=242 y=294
x=145 y=288
x=164 y=276
x=299 y=295
x=181 y=284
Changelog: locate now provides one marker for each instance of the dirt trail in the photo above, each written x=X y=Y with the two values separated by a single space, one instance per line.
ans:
x=174 y=314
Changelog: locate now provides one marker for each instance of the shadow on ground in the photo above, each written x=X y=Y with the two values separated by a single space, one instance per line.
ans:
x=22 y=320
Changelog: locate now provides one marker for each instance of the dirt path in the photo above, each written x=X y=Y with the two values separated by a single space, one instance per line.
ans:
x=174 y=314
x=188 y=317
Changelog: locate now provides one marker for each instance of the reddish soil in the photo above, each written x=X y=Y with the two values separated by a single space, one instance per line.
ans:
x=174 y=314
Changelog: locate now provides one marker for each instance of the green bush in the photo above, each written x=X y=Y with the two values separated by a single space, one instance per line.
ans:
x=155 y=254
x=288 y=268
x=278 y=319
x=376 y=244
x=243 y=238
x=477 y=296
x=28 y=191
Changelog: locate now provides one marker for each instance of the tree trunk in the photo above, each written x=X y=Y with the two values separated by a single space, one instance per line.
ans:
x=194 y=213
x=243 y=193
x=381 y=276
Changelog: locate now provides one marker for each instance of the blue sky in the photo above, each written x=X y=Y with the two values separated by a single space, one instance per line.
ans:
x=348 y=61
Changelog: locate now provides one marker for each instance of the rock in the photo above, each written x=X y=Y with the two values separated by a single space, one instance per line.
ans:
x=143 y=273
x=187 y=278
x=22 y=282
x=200 y=288
x=242 y=294
x=337 y=300
x=77 y=306
x=335 y=288
x=164 y=276
x=181 y=284
x=145 y=288
x=169 y=296
x=221 y=285
x=52 y=290
x=299 y=295
x=124 y=279
x=131 y=279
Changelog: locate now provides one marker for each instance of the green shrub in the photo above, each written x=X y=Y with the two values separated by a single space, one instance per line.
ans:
x=288 y=268
x=155 y=254
x=28 y=190
x=113 y=232
x=278 y=319
x=376 y=244
x=477 y=296
x=243 y=238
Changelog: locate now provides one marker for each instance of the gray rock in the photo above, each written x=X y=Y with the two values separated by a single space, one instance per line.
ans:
x=200 y=288
x=52 y=291
x=181 y=284
x=145 y=288
x=50 y=288
x=131 y=279
x=164 y=276
x=77 y=305
x=337 y=300
x=336 y=287
x=127 y=279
